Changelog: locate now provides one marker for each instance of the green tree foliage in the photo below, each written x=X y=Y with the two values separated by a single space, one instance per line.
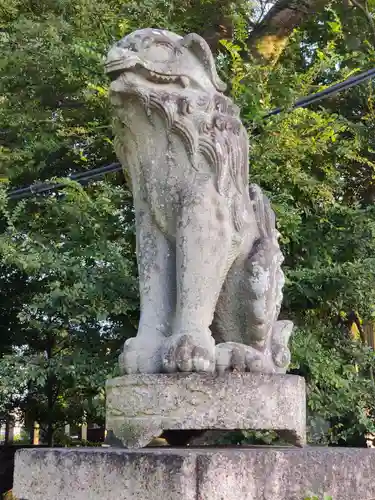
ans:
x=69 y=295
x=77 y=256
x=317 y=165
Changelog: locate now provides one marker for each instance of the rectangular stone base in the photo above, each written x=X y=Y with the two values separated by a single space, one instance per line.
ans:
x=141 y=407
x=194 y=474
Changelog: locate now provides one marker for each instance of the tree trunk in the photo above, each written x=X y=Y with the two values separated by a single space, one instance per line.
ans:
x=268 y=40
x=9 y=428
x=50 y=407
x=49 y=434
x=52 y=392
x=221 y=25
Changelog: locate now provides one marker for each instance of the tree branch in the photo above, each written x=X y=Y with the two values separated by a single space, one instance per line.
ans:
x=364 y=9
x=267 y=41
x=263 y=7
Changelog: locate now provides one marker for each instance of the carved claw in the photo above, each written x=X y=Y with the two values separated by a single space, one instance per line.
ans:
x=140 y=356
x=188 y=353
x=232 y=356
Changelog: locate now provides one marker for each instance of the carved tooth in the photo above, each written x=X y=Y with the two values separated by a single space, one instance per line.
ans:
x=184 y=81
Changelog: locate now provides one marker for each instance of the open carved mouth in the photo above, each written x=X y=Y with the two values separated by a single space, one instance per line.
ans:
x=116 y=68
x=121 y=64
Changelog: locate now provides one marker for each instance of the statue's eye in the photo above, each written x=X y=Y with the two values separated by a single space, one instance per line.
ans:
x=129 y=45
x=147 y=42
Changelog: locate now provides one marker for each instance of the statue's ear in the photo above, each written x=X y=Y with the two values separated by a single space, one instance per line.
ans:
x=202 y=51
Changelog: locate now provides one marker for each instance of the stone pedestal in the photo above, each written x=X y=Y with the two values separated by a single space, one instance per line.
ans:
x=194 y=474
x=141 y=407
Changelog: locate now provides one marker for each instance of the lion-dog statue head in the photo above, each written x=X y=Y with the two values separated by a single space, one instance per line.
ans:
x=176 y=77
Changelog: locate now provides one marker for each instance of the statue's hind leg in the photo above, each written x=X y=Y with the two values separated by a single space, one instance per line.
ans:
x=245 y=325
x=156 y=265
x=246 y=314
x=203 y=248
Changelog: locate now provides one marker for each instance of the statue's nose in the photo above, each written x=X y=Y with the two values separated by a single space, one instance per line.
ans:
x=115 y=53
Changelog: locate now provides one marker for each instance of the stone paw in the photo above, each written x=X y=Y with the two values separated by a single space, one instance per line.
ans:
x=141 y=355
x=232 y=356
x=189 y=353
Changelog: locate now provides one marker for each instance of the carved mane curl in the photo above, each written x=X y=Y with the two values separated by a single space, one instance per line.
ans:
x=208 y=126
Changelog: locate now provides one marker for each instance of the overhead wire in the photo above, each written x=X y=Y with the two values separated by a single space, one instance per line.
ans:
x=81 y=177
x=89 y=175
x=333 y=89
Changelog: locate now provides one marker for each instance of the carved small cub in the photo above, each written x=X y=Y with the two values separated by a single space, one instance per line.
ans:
x=208 y=256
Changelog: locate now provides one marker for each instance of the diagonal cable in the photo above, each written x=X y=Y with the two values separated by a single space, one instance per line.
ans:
x=90 y=175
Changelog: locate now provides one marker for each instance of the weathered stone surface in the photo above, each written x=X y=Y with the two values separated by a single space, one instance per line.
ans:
x=101 y=474
x=194 y=474
x=140 y=407
x=207 y=245
x=286 y=474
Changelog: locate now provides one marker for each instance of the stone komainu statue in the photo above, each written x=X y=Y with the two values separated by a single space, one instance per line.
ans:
x=208 y=256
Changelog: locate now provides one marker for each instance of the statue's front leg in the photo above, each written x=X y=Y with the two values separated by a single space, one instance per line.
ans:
x=156 y=265
x=203 y=246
